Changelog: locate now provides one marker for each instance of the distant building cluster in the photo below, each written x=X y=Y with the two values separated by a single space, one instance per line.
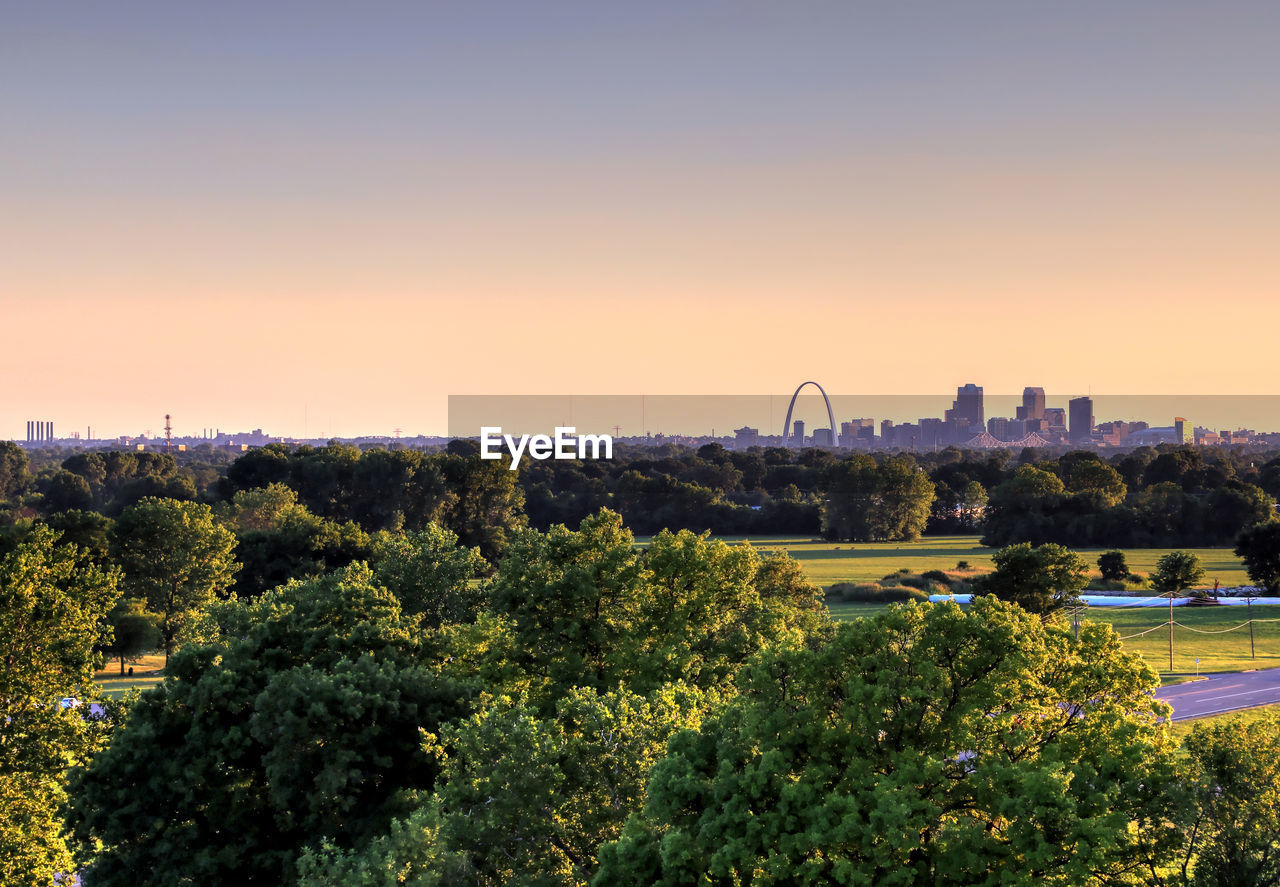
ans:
x=965 y=425
x=1034 y=424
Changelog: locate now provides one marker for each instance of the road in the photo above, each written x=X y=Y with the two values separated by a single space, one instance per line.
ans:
x=1222 y=693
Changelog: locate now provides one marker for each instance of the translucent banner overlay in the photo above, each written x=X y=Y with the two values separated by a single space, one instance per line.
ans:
x=968 y=416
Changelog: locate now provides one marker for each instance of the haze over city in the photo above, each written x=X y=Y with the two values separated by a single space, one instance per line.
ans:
x=323 y=219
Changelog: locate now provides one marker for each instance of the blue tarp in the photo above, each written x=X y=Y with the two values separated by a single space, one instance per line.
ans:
x=1111 y=600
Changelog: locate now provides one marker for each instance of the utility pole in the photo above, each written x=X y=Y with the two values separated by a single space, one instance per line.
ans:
x=1076 y=611
x=1170 y=630
x=1248 y=602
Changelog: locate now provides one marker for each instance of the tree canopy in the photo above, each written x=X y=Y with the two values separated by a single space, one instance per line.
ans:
x=175 y=556
x=304 y=719
x=1040 y=579
x=53 y=604
x=1259 y=547
x=927 y=745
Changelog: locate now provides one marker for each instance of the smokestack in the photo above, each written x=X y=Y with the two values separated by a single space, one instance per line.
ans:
x=28 y=431
x=51 y=431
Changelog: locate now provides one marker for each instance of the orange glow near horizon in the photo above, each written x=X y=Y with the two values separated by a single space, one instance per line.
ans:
x=335 y=249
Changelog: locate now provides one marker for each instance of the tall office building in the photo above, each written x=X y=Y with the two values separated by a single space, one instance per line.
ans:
x=858 y=429
x=968 y=406
x=1032 y=404
x=1080 y=413
x=797 y=433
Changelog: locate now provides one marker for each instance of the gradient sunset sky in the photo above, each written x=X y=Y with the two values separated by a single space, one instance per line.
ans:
x=325 y=218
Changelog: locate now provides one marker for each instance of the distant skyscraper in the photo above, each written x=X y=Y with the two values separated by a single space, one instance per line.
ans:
x=1032 y=404
x=968 y=405
x=822 y=437
x=864 y=429
x=797 y=433
x=1080 y=411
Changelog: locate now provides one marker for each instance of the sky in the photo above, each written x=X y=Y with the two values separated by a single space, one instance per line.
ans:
x=323 y=219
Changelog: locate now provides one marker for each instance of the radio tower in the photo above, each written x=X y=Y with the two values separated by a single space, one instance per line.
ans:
x=168 y=433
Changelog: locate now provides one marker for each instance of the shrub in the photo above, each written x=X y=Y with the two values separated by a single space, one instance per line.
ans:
x=938 y=576
x=963 y=565
x=1112 y=566
x=871 y=593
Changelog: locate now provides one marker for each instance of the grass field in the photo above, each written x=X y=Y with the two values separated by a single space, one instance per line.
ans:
x=1247 y=716
x=146 y=674
x=826 y=563
x=1214 y=635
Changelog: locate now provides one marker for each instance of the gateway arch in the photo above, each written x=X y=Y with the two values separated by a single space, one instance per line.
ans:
x=831 y=417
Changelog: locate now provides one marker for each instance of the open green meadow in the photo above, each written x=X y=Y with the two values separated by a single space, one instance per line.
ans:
x=1247 y=716
x=1214 y=635
x=1217 y=636
x=826 y=563
x=146 y=674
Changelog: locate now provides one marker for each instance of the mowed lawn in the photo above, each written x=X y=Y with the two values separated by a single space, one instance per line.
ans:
x=1217 y=636
x=826 y=563
x=1248 y=716
x=146 y=674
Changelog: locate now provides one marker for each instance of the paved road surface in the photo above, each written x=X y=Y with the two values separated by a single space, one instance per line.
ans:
x=1222 y=693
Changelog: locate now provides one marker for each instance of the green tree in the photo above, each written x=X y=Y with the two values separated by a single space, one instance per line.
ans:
x=906 y=496
x=1259 y=547
x=258 y=508
x=587 y=608
x=1041 y=580
x=527 y=800
x=1176 y=571
x=571 y=596
x=14 y=475
x=1084 y=474
x=489 y=503
x=972 y=504
x=66 y=492
x=176 y=557
x=1231 y=811
x=866 y=501
x=1113 y=566
x=1022 y=508
x=1234 y=506
x=294 y=544
x=52 y=608
x=431 y=575
x=87 y=529
x=134 y=631
x=928 y=745
x=306 y=718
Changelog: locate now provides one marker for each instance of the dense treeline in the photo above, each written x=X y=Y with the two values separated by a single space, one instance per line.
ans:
x=343 y=496
x=586 y=710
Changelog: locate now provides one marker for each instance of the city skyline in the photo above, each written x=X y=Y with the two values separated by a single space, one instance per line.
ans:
x=1052 y=418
